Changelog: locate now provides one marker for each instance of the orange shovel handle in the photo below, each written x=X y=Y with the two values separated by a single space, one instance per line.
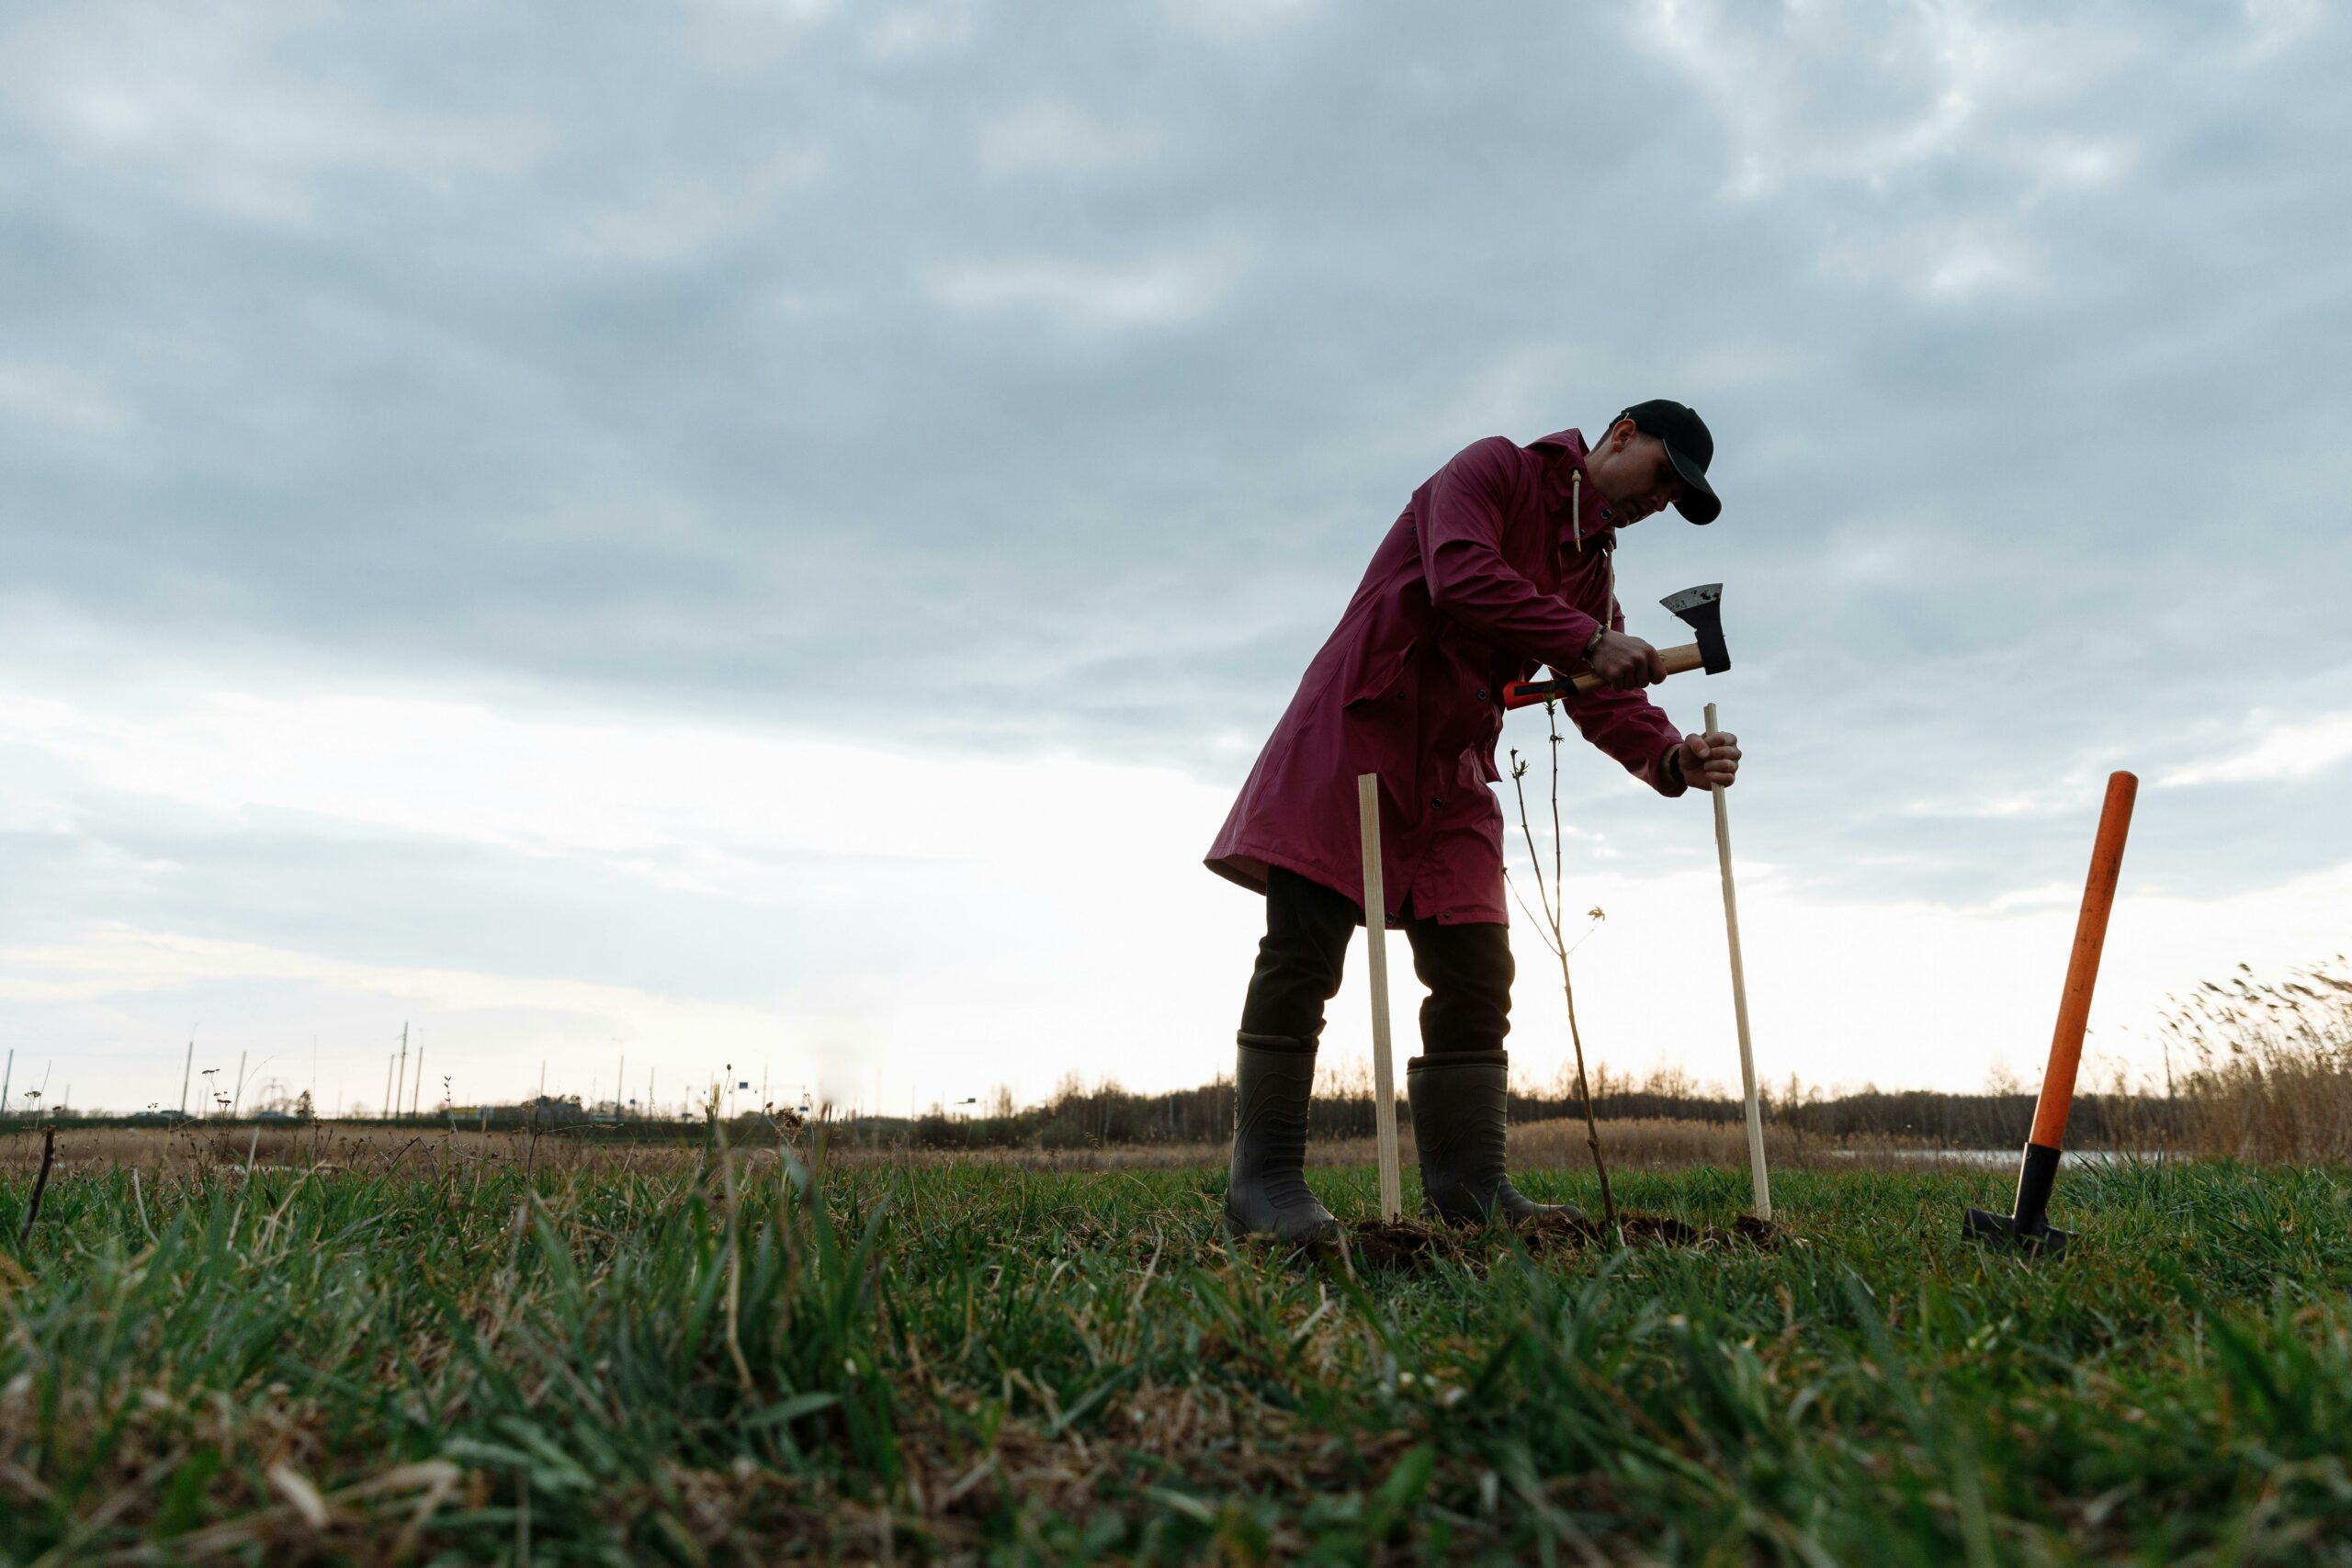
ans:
x=2082 y=968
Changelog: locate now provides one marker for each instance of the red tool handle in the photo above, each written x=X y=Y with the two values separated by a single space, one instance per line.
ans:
x=1525 y=694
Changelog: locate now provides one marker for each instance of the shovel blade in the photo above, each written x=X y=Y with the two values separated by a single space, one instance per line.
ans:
x=2044 y=1240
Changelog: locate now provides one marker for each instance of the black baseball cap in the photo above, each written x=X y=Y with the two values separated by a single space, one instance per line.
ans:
x=1690 y=447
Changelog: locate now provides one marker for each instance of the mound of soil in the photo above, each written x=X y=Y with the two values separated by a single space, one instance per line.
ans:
x=1411 y=1244
x=1401 y=1243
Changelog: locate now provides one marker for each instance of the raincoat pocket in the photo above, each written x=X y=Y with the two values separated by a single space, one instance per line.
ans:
x=1383 y=677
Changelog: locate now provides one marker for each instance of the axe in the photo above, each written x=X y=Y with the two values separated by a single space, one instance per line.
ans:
x=1701 y=607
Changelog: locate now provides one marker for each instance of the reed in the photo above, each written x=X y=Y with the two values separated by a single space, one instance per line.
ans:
x=2263 y=1069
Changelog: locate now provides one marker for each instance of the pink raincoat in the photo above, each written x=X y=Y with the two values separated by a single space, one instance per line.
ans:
x=1489 y=573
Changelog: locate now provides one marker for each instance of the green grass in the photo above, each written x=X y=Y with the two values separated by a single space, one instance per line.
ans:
x=995 y=1365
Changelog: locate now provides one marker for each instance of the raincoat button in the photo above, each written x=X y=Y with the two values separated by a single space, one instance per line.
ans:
x=1438 y=805
x=1481 y=693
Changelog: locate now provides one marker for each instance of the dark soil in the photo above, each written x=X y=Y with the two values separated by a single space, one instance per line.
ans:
x=1411 y=1243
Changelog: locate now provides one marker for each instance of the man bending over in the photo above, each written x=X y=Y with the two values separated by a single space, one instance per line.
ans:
x=1501 y=563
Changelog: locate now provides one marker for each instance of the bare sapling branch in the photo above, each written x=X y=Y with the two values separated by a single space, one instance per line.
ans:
x=1554 y=899
x=1543 y=893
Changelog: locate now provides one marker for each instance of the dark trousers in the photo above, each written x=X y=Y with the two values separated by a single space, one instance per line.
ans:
x=1466 y=967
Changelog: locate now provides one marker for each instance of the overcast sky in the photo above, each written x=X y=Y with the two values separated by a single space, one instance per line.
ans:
x=769 y=533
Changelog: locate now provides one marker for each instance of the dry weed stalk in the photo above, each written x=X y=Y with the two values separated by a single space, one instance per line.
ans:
x=41 y=1184
x=1554 y=899
x=2272 y=1079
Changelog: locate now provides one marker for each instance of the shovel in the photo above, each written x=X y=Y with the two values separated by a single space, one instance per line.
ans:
x=2028 y=1227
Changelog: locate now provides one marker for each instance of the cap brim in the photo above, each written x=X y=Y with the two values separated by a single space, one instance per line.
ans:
x=1699 y=503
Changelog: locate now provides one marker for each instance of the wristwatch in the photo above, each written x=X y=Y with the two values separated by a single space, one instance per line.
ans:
x=1592 y=642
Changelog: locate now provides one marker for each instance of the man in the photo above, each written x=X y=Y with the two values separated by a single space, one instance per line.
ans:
x=1501 y=563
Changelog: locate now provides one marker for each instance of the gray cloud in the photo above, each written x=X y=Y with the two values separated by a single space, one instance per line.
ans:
x=747 y=359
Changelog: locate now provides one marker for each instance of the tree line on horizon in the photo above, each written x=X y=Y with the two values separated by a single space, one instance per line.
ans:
x=2252 y=1069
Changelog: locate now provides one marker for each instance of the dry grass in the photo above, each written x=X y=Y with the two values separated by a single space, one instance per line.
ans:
x=1657 y=1144
x=1634 y=1145
x=2269 y=1065
x=331 y=1147
x=1649 y=1144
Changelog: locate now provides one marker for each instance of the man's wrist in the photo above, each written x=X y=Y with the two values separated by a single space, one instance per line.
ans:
x=1593 y=642
x=1674 y=764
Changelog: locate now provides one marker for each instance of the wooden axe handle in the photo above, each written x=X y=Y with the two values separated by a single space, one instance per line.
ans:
x=1522 y=693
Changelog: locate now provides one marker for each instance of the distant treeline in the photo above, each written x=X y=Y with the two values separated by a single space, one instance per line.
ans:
x=1080 y=1117
x=2263 y=1070
x=1075 y=1118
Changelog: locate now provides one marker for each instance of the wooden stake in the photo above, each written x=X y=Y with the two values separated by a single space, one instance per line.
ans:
x=1758 y=1176
x=1376 y=925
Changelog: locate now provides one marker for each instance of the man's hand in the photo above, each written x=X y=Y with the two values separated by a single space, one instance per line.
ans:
x=1711 y=761
x=1626 y=662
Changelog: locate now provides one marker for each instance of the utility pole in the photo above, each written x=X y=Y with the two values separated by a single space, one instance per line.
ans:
x=416 y=1085
x=620 y=1088
x=187 y=1069
x=11 y=1073
x=238 y=1098
x=401 y=1078
x=649 y=1095
x=386 y=1113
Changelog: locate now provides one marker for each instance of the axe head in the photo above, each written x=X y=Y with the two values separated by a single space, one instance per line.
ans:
x=1702 y=609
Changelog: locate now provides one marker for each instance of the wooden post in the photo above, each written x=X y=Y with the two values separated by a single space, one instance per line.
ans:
x=1376 y=925
x=1758 y=1176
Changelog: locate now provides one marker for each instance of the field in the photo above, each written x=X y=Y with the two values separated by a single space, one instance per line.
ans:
x=467 y=1354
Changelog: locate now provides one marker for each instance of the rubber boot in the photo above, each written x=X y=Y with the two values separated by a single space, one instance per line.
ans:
x=1265 y=1191
x=1459 y=1103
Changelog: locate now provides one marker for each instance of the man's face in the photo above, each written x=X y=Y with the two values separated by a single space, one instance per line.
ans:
x=1634 y=472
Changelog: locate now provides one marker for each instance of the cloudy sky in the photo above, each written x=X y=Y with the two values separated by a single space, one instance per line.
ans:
x=768 y=532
